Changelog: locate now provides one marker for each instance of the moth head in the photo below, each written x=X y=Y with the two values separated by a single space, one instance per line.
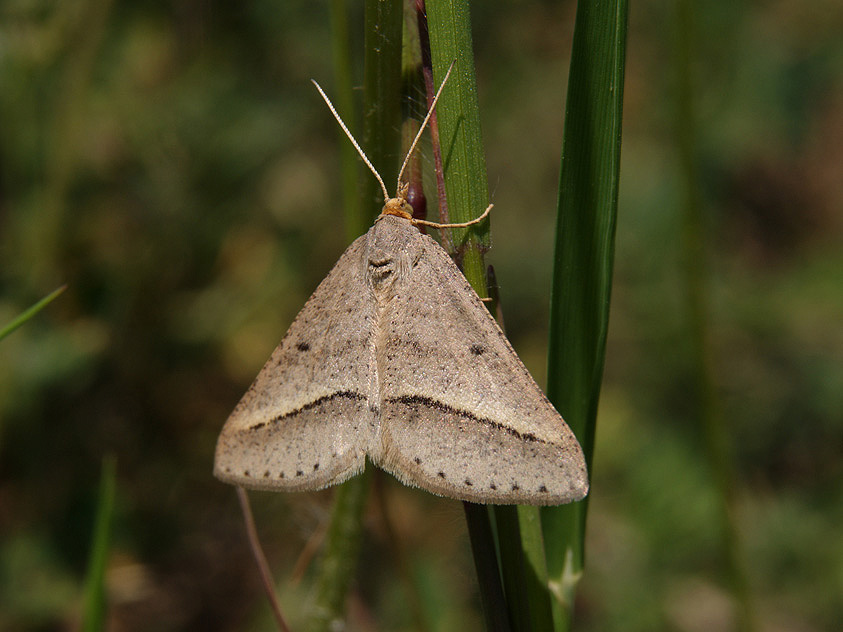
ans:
x=398 y=206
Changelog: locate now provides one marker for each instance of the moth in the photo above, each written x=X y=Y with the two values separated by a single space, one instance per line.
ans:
x=395 y=357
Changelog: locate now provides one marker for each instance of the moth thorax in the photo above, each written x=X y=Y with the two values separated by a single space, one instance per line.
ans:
x=382 y=270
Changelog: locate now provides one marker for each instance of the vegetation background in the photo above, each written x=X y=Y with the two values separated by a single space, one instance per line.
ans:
x=174 y=166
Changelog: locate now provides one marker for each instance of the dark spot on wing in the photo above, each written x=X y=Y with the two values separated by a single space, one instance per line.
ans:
x=299 y=472
x=468 y=482
x=281 y=475
x=266 y=474
x=315 y=466
x=515 y=488
x=441 y=474
x=543 y=489
x=417 y=460
x=246 y=473
x=303 y=346
x=477 y=349
x=492 y=486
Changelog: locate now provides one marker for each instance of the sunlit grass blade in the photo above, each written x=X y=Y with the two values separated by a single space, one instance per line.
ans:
x=467 y=191
x=535 y=567
x=459 y=132
x=466 y=183
x=29 y=313
x=584 y=255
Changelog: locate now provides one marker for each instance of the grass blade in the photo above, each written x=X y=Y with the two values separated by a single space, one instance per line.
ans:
x=339 y=557
x=93 y=619
x=467 y=193
x=467 y=187
x=32 y=311
x=382 y=100
x=459 y=133
x=484 y=551
x=535 y=568
x=579 y=311
x=355 y=220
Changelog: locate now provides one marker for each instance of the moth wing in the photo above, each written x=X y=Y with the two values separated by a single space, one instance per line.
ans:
x=461 y=415
x=305 y=422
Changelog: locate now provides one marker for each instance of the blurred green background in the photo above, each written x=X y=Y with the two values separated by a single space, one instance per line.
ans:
x=172 y=163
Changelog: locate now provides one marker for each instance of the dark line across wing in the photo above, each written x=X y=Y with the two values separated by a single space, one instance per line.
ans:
x=308 y=406
x=432 y=403
x=408 y=400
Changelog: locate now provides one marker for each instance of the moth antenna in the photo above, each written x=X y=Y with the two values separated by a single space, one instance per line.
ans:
x=424 y=123
x=476 y=220
x=351 y=138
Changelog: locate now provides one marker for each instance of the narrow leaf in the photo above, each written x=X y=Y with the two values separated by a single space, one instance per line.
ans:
x=585 y=237
x=29 y=313
x=95 y=599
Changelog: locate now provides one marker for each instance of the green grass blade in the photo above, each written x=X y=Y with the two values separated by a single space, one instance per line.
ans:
x=459 y=132
x=382 y=140
x=579 y=312
x=467 y=191
x=467 y=187
x=93 y=618
x=535 y=568
x=29 y=313
x=523 y=567
x=339 y=556
x=382 y=100
x=356 y=221
x=484 y=551
x=512 y=567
